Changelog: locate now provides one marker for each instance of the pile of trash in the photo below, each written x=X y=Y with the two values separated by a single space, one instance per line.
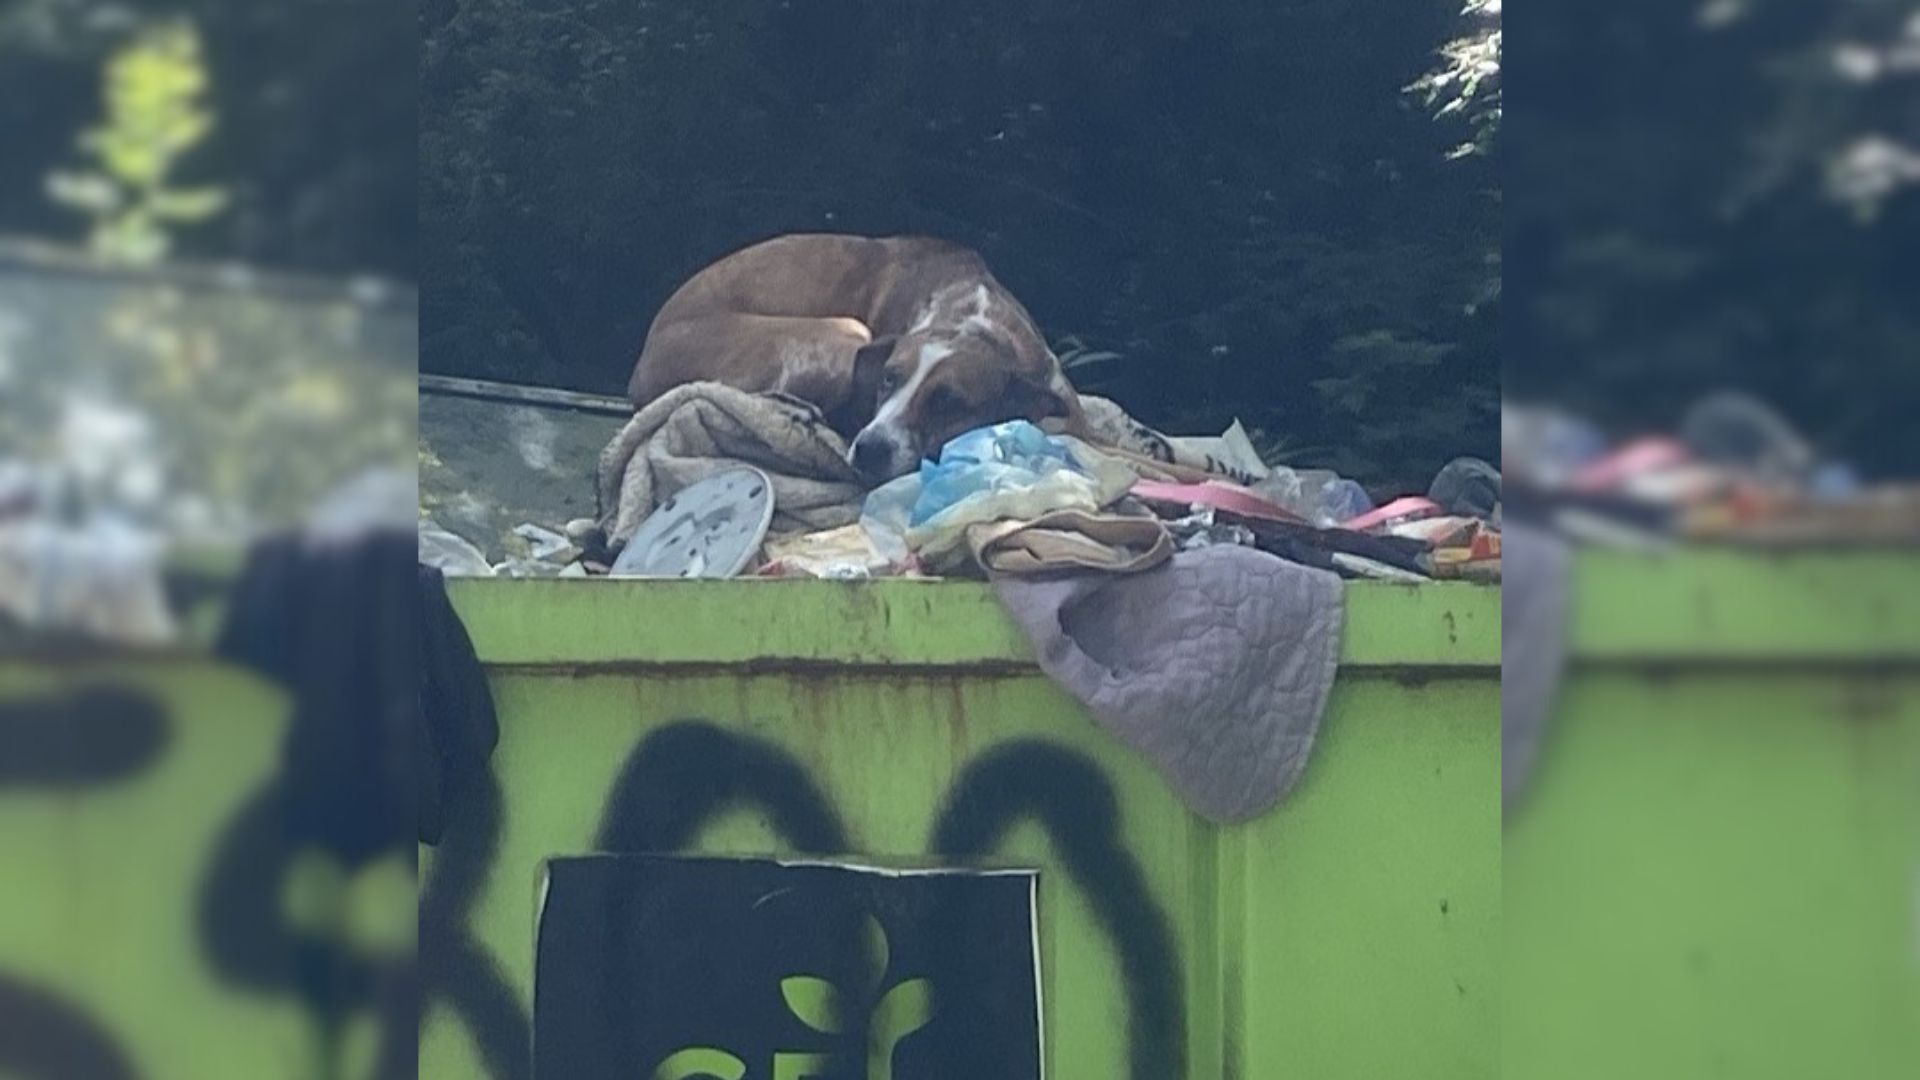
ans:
x=1014 y=499
x=1735 y=473
x=66 y=570
x=80 y=563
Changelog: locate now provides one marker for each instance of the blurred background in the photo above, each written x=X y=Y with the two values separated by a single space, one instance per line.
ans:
x=207 y=413
x=207 y=317
x=310 y=134
x=1711 y=607
x=1718 y=194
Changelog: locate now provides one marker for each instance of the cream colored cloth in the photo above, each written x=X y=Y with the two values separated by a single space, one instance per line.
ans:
x=1169 y=458
x=1070 y=540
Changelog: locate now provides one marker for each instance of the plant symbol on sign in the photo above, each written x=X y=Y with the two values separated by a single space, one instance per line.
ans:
x=901 y=1010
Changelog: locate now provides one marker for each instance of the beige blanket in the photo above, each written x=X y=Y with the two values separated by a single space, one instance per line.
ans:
x=695 y=431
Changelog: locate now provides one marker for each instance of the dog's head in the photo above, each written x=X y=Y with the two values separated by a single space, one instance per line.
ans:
x=931 y=385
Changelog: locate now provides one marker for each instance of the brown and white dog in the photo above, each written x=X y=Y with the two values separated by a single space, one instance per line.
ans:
x=902 y=343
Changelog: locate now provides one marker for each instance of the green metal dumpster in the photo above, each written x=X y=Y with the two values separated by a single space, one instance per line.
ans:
x=123 y=780
x=1351 y=932
x=1717 y=869
x=1717 y=865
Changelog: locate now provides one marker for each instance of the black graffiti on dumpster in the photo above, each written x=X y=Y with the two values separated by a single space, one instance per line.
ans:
x=679 y=779
x=1034 y=780
x=69 y=741
x=243 y=920
x=100 y=734
x=454 y=966
x=84 y=737
x=685 y=775
x=249 y=942
x=45 y=1038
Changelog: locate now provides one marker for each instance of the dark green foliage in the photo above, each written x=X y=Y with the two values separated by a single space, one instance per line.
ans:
x=1236 y=197
x=315 y=135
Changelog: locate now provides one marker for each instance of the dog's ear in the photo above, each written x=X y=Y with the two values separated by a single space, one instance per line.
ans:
x=869 y=361
x=1052 y=403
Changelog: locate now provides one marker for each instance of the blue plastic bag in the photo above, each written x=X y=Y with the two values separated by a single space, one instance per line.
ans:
x=1013 y=454
x=1010 y=470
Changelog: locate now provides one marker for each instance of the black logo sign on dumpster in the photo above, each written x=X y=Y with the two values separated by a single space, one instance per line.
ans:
x=670 y=968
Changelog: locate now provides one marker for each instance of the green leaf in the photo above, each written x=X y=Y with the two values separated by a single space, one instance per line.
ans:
x=132 y=160
x=187 y=204
x=906 y=1009
x=697 y=1062
x=816 y=1002
x=90 y=192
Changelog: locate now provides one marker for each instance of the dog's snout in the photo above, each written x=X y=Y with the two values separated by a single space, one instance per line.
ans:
x=873 y=455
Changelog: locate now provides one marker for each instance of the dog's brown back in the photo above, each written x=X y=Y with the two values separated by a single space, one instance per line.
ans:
x=878 y=282
x=820 y=316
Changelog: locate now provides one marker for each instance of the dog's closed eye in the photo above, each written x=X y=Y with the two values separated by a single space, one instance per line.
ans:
x=945 y=401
